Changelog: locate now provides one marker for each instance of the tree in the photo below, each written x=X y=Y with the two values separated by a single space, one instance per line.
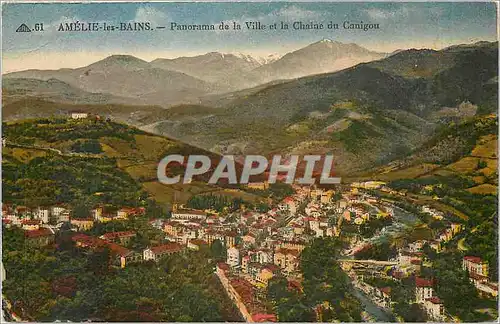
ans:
x=325 y=281
x=218 y=250
x=453 y=285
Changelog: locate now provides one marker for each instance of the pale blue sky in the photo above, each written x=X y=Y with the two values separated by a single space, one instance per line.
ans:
x=402 y=25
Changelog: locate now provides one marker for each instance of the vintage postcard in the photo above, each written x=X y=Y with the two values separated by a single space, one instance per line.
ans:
x=249 y=162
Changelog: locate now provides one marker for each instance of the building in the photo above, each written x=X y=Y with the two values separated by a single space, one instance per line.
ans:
x=97 y=213
x=64 y=217
x=40 y=237
x=122 y=238
x=475 y=265
x=196 y=244
x=122 y=255
x=79 y=115
x=42 y=214
x=287 y=260
x=478 y=274
x=57 y=210
x=258 y=185
x=188 y=214
x=244 y=263
x=435 y=309
x=83 y=224
x=423 y=290
x=293 y=245
x=86 y=241
x=156 y=252
x=266 y=273
x=288 y=204
x=30 y=224
x=326 y=197
x=233 y=257
x=243 y=295
x=263 y=256
x=248 y=239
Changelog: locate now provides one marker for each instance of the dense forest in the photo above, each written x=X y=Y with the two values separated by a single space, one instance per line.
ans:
x=68 y=284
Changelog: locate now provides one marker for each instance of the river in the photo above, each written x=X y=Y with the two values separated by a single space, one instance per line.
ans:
x=402 y=221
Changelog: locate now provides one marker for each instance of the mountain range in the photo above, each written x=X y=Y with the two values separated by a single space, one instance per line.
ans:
x=364 y=107
x=166 y=82
x=365 y=115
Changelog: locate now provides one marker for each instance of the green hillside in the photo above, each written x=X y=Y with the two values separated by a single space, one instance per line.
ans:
x=90 y=162
x=456 y=171
x=366 y=115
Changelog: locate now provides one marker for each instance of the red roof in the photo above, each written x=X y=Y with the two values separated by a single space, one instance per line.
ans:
x=435 y=300
x=288 y=251
x=422 y=282
x=295 y=285
x=260 y=317
x=118 y=250
x=38 y=233
x=115 y=235
x=88 y=240
x=198 y=242
x=132 y=210
x=271 y=267
x=473 y=259
x=169 y=247
x=386 y=290
x=31 y=222
x=478 y=277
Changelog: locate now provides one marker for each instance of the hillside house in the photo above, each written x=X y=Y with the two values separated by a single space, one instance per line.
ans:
x=188 y=214
x=122 y=238
x=156 y=252
x=83 y=224
x=475 y=265
x=79 y=115
x=40 y=237
x=423 y=290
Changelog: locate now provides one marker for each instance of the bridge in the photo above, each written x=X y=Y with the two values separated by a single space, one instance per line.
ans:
x=370 y=262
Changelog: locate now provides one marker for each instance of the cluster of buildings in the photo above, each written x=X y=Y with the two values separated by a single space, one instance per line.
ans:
x=408 y=263
x=261 y=245
x=270 y=244
x=478 y=270
x=40 y=224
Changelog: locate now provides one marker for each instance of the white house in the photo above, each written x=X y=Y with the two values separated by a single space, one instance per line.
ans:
x=475 y=265
x=233 y=257
x=435 y=309
x=42 y=214
x=189 y=214
x=423 y=290
x=156 y=252
x=79 y=115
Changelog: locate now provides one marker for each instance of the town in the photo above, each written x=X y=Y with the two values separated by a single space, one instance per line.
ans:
x=261 y=246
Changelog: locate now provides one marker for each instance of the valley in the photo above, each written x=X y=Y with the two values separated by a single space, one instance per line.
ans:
x=414 y=135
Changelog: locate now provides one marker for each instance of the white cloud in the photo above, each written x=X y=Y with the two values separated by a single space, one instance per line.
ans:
x=379 y=14
x=295 y=13
x=156 y=17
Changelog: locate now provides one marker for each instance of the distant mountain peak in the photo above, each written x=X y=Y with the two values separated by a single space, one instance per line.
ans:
x=327 y=40
x=121 y=60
